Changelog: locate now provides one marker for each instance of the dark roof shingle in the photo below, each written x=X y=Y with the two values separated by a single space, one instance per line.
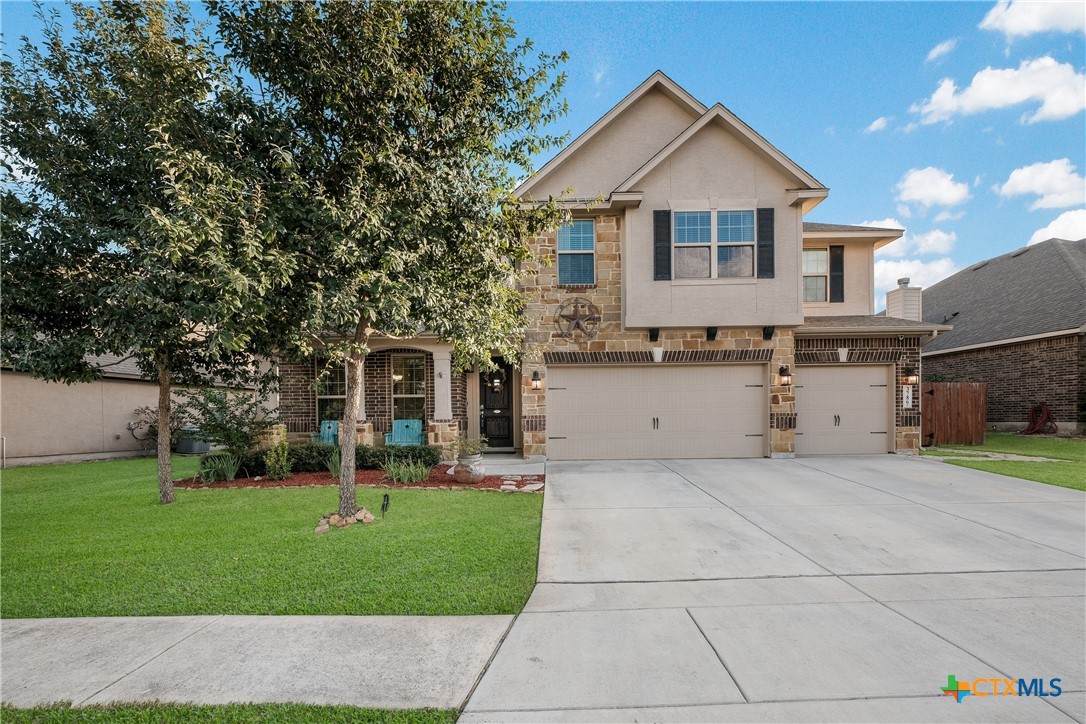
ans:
x=1033 y=290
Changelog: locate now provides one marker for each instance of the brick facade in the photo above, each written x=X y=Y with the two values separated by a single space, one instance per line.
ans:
x=612 y=344
x=903 y=352
x=298 y=399
x=1022 y=375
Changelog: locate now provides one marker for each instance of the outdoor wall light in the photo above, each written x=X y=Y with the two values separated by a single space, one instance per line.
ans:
x=654 y=334
x=710 y=334
x=785 y=375
x=537 y=381
x=909 y=376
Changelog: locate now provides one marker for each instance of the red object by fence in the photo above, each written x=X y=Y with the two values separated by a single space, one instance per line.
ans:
x=1040 y=421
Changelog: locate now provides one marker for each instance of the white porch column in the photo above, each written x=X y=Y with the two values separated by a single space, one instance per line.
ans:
x=361 y=416
x=443 y=385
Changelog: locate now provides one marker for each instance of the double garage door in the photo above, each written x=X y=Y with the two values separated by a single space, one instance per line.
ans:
x=843 y=409
x=654 y=411
x=711 y=411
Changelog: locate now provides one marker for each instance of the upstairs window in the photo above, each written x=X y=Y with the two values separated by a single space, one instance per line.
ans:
x=708 y=250
x=816 y=271
x=577 y=253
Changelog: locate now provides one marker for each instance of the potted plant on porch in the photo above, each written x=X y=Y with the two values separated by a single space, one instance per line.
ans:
x=469 y=459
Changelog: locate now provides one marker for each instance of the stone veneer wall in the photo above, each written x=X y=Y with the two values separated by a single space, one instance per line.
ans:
x=298 y=400
x=1022 y=375
x=903 y=353
x=612 y=344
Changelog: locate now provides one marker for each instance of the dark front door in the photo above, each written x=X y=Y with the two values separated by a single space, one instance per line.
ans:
x=496 y=408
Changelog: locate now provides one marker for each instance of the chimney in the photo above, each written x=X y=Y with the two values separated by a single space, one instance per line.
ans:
x=905 y=302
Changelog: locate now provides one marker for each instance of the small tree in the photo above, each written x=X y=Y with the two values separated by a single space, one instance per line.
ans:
x=407 y=123
x=234 y=419
x=135 y=215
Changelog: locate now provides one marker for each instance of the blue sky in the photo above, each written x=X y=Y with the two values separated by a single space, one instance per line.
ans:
x=962 y=122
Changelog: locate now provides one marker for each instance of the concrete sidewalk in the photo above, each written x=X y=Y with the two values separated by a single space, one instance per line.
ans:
x=396 y=662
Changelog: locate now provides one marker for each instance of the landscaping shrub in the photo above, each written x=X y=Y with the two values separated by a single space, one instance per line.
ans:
x=375 y=458
x=332 y=462
x=232 y=419
x=406 y=471
x=277 y=462
x=219 y=467
x=309 y=457
x=253 y=465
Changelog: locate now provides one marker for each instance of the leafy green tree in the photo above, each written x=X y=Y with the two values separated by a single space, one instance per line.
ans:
x=408 y=122
x=135 y=212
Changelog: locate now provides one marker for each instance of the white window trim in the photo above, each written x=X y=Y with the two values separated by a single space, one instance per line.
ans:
x=558 y=254
x=318 y=368
x=392 y=384
x=804 y=275
x=713 y=244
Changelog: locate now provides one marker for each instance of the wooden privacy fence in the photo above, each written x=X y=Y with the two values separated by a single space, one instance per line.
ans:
x=953 y=413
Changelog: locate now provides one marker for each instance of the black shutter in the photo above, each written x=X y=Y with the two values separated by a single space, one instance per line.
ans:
x=837 y=273
x=661 y=244
x=765 y=243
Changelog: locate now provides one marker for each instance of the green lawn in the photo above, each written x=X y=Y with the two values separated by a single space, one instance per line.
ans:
x=1070 y=474
x=90 y=539
x=233 y=713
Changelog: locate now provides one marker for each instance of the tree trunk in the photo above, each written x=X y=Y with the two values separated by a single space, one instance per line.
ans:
x=348 y=437
x=165 y=469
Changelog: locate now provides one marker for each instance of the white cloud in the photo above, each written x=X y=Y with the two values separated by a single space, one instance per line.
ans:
x=920 y=273
x=931 y=186
x=1020 y=19
x=1070 y=225
x=879 y=124
x=935 y=241
x=948 y=216
x=601 y=77
x=1059 y=89
x=1055 y=183
x=942 y=49
x=931 y=242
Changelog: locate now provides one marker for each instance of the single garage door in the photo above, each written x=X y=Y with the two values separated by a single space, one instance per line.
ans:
x=652 y=411
x=842 y=410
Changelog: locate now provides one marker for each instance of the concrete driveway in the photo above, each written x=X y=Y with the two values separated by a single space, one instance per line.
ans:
x=817 y=589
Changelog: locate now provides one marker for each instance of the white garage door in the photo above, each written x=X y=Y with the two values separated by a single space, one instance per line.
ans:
x=651 y=411
x=842 y=410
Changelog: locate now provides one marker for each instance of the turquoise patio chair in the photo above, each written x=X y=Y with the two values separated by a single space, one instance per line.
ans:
x=329 y=432
x=405 y=432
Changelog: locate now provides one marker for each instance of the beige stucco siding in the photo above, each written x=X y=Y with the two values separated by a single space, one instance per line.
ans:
x=713 y=170
x=859 y=280
x=50 y=418
x=617 y=150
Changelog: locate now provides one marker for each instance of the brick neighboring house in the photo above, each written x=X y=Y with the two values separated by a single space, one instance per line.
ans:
x=1020 y=325
x=691 y=313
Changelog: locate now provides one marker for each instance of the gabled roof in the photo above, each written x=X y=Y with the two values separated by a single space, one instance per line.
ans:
x=1033 y=291
x=656 y=81
x=745 y=133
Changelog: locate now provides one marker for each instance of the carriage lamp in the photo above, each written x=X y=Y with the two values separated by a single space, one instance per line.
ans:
x=537 y=381
x=909 y=376
x=785 y=375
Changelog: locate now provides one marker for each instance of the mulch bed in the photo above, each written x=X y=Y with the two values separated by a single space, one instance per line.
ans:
x=439 y=478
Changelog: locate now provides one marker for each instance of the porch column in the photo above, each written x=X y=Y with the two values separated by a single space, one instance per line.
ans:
x=361 y=416
x=443 y=385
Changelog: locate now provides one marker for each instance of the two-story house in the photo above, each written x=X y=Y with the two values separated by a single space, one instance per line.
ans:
x=686 y=311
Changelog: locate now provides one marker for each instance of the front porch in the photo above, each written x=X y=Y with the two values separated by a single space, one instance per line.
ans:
x=408 y=379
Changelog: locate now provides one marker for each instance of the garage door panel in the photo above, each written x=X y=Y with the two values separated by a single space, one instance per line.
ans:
x=600 y=413
x=842 y=410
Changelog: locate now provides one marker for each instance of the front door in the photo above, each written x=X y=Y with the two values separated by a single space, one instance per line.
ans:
x=496 y=405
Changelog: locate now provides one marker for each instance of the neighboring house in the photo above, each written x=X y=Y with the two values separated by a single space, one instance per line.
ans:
x=1020 y=325
x=687 y=311
x=43 y=422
